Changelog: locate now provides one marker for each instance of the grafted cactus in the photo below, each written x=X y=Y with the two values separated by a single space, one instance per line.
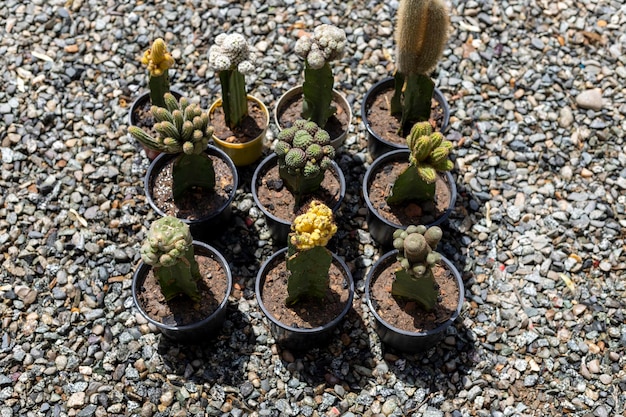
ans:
x=183 y=128
x=327 y=44
x=429 y=155
x=232 y=58
x=416 y=253
x=421 y=36
x=158 y=60
x=308 y=260
x=168 y=248
x=304 y=154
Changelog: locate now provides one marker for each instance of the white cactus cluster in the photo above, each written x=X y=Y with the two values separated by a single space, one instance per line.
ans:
x=231 y=52
x=327 y=43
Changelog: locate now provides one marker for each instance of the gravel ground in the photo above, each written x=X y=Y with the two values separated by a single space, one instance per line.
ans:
x=538 y=104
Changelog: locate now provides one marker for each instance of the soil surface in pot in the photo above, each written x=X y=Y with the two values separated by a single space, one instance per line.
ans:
x=278 y=200
x=408 y=315
x=306 y=313
x=292 y=111
x=251 y=126
x=181 y=310
x=410 y=213
x=386 y=125
x=198 y=202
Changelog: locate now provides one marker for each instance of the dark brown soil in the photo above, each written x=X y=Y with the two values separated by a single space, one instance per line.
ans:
x=198 y=202
x=307 y=313
x=380 y=186
x=251 y=126
x=386 y=125
x=292 y=109
x=181 y=310
x=408 y=315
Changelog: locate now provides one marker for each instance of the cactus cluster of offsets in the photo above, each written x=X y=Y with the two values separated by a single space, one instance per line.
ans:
x=232 y=58
x=325 y=45
x=183 y=128
x=429 y=153
x=308 y=260
x=421 y=35
x=414 y=279
x=304 y=154
x=159 y=61
x=168 y=248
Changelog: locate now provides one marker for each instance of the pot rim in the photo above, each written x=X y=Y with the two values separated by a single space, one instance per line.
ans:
x=218 y=103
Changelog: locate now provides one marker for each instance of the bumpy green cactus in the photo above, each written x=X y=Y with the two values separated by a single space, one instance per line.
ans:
x=308 y=260
x=232 y=58
x=168 y=248
x=158 y=60
x=304 y=153
x=429 y=155
x=416 y=253
x=326 y=44
x=183 y=128
x=421 y=37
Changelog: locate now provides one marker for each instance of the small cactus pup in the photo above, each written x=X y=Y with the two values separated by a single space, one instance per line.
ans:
x=416 y=253
x=183 y=129
x=168 y=248
x=304 y=154
x=421 y=36
x=232 y=59
x=429 y=153
x=308 y=259
x=325 y=45
x=158 y=61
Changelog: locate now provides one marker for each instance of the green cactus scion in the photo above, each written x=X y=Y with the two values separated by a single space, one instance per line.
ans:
x=326 y=44
x=168 y=248
x=428 y=155
x=308 y=260
x=183 y=129
x=158 y=60
x=304 y=154
x=421 y=37
x=416 y=253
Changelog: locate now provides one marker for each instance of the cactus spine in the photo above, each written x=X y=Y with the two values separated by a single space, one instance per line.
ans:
x=158 y=60
x=168 y=248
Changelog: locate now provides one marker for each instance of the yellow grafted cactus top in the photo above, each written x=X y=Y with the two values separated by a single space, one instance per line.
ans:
x=157 y=58
x=313 y=228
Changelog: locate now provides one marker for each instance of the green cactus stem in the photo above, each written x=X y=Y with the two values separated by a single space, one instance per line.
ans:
x=234 y=97
x=168 y=248
x=158 y=60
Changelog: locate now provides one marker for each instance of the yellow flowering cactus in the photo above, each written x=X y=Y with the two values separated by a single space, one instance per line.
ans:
x=308 y=260
x=158 y=60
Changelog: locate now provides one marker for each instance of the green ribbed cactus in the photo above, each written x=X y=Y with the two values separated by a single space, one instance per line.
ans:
x=183 y=128
x=158 y=60
x=326 y=44
x=168 y=248
x=304 y=153
x=416 y=253
x=421 y=36
x=428 y=155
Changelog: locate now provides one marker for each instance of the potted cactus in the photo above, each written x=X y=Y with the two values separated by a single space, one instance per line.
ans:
x=410 y=186
x=315 y=99
x=158 y=61
x=414 y=292
x=305 y=290
x=181 y=286
x=189 y=180
x=301 y=169
x=240 y=120
x=393 y=105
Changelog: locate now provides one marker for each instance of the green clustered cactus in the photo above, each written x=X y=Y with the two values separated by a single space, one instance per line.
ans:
x=429 y=153
x=421 y=36
x=183 y=128
x=416 y=253
x=158 y=61
x=168 y=248
x=304 y=154
x=325 y=45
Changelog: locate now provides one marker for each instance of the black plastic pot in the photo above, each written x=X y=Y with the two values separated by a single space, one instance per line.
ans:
x=296 y=338
x=376 y=145
x=279 y=228
x=382 y=229
x=208 y=227
x=194 y=333
x=401 y=339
